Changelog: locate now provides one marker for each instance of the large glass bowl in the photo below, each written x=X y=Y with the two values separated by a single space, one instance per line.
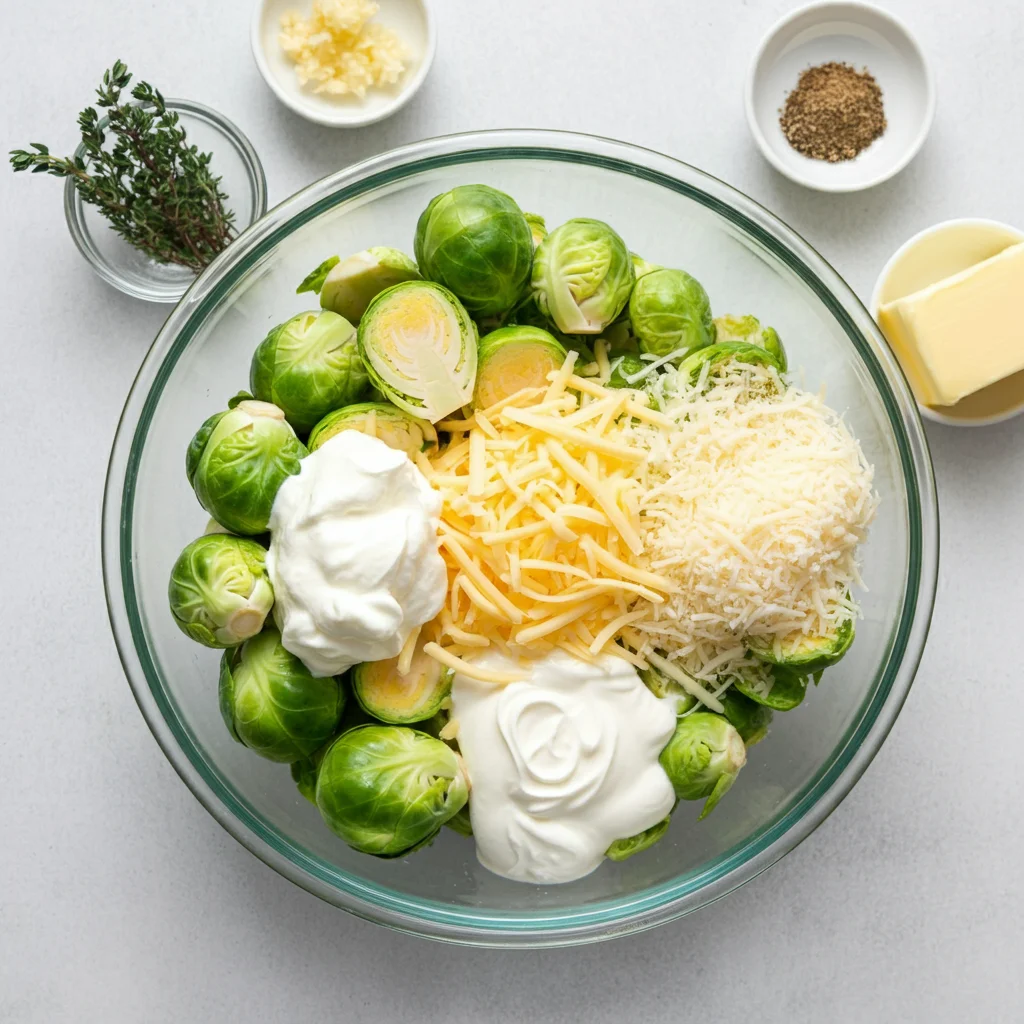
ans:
x=673 y=215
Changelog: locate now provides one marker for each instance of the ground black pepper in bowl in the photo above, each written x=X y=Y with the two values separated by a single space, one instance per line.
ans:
x=834 y=113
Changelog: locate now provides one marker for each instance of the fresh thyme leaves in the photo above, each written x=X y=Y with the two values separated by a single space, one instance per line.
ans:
x=154 y=187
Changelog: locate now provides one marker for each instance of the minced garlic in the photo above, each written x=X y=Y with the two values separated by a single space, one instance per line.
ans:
x=337 y=50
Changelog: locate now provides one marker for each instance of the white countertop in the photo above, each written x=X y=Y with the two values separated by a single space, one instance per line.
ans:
x=120 y=897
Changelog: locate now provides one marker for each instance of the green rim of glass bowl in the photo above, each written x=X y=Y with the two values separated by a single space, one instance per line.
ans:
x=598 y=920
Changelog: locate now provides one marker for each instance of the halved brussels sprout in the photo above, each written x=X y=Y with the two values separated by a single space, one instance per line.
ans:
x=626 y=366
x=641 y=268
x=395 y=427
x=219 y=591
x=237 y=461
x=308 y=366
x=513 y=358
x=749 y=329
x=750 y=719
x=420 y=348
x=703 y=758
x=402 y=700
x=476 y=242
x=667 y=689
x=671 y=312
x=806 y=653
x=623 y=849
x=538 y=229
x=582 y=276
x=387 y=790
x=724 y=352
x=773 y=686
x=349 y=285
x=273 y=704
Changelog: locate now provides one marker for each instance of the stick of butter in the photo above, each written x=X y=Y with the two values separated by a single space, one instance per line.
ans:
x=961 y=334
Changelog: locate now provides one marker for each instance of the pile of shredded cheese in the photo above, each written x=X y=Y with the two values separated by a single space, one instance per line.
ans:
x=339 y=51
x=758 y=499
x=581 y=517
x=540 y=524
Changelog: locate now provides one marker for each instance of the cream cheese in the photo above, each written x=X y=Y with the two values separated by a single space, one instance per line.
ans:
x=353 y=555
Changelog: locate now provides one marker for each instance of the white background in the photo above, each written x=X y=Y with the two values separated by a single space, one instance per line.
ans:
x=122 y=900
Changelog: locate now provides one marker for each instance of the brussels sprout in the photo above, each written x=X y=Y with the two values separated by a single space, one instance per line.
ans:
x=350 y=285
x=750 y=719
x=460 y=822
x=476 y=242
x=420 y=347
x=387 y=790
x=402 y=700
x=308 y=366
x=513 y=358
x=219 y=592
x=271 y=702
x=641 y=268
x=623 y=849
x=582 y=276
x=749 y=329
x=395 y=427
x=781 y=689
x=538 y=229
x=314 y=280
x=238 y=460
x=703 y=758
x=667 y=689
x=671 y=312
x=724 y=352
x=806 y=653
x=626 y=366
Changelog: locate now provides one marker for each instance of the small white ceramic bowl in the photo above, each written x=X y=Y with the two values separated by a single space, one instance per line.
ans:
x=861 y=35
x=933 y=255
x=412 y=21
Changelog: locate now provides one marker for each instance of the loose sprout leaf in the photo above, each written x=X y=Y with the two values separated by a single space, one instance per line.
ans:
x=314 y=280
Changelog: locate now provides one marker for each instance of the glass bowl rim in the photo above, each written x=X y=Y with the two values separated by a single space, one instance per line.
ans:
x=74 y=208
x=617 y=916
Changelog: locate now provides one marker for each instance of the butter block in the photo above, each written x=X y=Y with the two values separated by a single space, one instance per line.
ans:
x=961 y=334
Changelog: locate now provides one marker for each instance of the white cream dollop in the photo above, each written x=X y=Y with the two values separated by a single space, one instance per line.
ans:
x=353 y=554
x=561 y=764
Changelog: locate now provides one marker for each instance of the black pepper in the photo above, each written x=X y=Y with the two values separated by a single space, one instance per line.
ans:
x=834 y=112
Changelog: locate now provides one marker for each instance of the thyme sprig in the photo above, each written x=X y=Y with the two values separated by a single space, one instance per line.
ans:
x=153 y=186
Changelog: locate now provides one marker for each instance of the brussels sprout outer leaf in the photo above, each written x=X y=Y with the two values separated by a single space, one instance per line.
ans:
x=623 y=367
x=386 y=789
x=750 y=719
x=198 y=443
x=582 y=276
x=722 y=786
x=749 y=329
x=395 y=427
x=304 y=774
x=788 y=689
x=623 y=849
x=808 y=654
x=667 y=689
x=219 y=592
x=513 y=358
x=277 y=707
x=238 y=398
x=671 y=312
x=309 y=366
x=314 y=280
x=538 y=228
x=460 y=822
x=419 y=346
x=353 y=284
x=476 y=242
x=245 y=459
x=226 y=690
x=641 y=267
x=398 y=700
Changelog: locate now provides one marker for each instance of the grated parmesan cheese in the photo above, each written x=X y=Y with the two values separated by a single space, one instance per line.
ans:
x=758 y=499
x=338 y=51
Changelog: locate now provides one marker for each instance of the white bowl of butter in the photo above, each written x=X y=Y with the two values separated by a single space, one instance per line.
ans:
x=409 y=23
x=947 y=302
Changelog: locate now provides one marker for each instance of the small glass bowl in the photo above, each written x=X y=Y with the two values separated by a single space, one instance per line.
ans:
x=130 y=270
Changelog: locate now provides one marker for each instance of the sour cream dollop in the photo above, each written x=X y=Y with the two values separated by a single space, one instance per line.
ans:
x=353 y=554
x=561 y=764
